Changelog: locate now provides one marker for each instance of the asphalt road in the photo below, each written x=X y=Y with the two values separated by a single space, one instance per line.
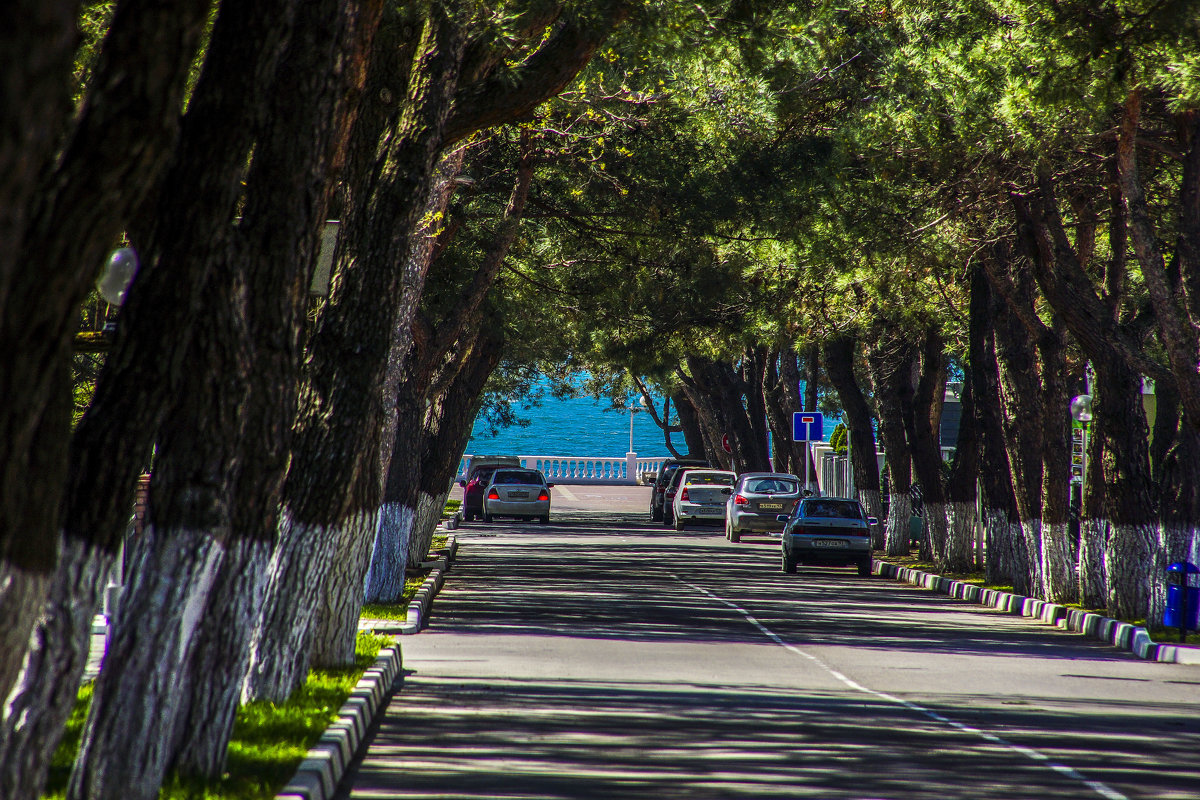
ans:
x=605 y=657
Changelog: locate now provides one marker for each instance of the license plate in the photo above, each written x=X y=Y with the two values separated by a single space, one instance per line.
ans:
x=518 y=495
x=771 y=506
x=713 y=512
x=830 y=543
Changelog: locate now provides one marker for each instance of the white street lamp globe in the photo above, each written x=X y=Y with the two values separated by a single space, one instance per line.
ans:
x=118 y=274
x=1081 y=408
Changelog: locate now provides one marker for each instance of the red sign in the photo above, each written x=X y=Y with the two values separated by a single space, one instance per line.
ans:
x=725 y=443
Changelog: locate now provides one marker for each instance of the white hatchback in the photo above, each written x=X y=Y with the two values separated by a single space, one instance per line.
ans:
x=701 y=497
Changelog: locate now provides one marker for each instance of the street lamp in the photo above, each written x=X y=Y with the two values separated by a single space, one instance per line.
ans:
x=1081 y=411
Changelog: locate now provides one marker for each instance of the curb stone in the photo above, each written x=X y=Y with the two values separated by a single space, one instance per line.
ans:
x=325 y=764
x=1123 y=635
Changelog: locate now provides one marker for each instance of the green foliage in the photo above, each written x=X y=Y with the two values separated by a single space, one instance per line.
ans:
x=838 y=440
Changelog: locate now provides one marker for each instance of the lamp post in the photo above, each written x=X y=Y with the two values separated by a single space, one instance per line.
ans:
x=1081 y=411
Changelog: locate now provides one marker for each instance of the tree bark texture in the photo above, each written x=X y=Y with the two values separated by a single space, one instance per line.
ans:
x=336 y=625
x=275 y=245
x=891 y=361
x=69 y=207
x=999 y=510
x=839 y=367
x=120 y=755
x=37 y=710
x=338 y=429
x=924 y=443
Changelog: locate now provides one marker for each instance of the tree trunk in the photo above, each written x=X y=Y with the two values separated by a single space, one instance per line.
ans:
x=336 y=624
x=891 y=362
x=37 y=710
x=337 y=436
x=689 y=420
x=839 y=367
x=998 y=503
x=961 y=492
x=70 y=193
x=142 y=668
x=926 y=448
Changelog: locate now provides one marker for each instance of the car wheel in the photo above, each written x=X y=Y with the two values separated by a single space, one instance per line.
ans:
x=789 y=565
x=487 y=517
x=680 y=524
x=668 y=518
x=544 y=519
x=735 y=535
x=864 y=568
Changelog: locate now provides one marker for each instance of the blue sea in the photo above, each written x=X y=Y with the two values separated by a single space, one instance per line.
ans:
x=580 y=426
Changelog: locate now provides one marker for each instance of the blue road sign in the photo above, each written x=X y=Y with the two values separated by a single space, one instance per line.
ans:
x=807 y=426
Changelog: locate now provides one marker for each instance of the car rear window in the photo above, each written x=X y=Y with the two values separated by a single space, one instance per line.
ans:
x=836 y=509
x=708 y=479
x=517 y=478
x=772 y=486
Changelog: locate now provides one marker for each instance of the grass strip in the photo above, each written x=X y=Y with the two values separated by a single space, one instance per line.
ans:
x=269 y=739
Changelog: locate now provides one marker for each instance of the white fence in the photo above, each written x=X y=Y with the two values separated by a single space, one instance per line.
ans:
x=582 y=470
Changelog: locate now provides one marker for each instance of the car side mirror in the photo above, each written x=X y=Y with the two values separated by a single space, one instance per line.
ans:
x=872 y=520
x=782 y=518
x=549 y=485
x=463 y=484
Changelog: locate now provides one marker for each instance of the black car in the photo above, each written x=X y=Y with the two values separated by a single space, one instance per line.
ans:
x=659 y=492
x=827 y=531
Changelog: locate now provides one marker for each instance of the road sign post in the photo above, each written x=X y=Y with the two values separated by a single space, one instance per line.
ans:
x=807 y=426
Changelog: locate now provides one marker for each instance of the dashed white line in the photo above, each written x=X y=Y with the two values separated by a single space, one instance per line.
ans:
x=1099 y=788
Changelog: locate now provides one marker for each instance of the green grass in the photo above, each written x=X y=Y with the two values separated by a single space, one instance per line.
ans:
x=451 y=508
x=269 y=740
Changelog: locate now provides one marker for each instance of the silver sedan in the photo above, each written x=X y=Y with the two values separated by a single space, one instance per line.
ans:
x=521 y=493
x=758 y=499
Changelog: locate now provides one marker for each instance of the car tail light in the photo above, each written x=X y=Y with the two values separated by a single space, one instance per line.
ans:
x=739 y=500
x=684 y=495
x=493 y=495
x=543 y=495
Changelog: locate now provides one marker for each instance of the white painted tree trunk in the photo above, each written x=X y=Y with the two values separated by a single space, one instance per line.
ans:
x=1031 y=537
x=429 y=514
x=1093 y=579
x=872 y=501
x=962 y=530
x=22 y=594
x=212 y=688
x=281 y=644
x=123 y=755
x=937 y=529
x=385 y=577
x=1133 y=551
x=40 y=704
x=1060 y=568
x=899 y=512
x=997 y=557
x=336 y=625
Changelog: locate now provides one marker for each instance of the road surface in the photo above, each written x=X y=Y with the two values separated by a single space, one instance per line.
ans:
x=606 y=657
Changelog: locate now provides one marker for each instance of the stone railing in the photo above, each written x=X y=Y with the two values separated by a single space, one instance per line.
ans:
x=628 y=470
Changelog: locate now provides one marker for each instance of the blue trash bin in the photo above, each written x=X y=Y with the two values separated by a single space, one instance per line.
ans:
x=1179 y=579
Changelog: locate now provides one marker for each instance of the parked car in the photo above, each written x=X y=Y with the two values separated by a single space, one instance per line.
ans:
x=827 y=531
x=479 y=474
x=521 y=493
x=757 y=502
x=658 y=494
x=701 y=497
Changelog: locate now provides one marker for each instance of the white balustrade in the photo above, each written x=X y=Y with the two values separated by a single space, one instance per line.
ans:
x=628 y=469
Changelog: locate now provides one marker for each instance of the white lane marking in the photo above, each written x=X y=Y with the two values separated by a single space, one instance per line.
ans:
x=567 y=493
x=1099 y=788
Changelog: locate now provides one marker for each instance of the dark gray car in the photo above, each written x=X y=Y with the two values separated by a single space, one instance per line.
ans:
x=827 y=531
